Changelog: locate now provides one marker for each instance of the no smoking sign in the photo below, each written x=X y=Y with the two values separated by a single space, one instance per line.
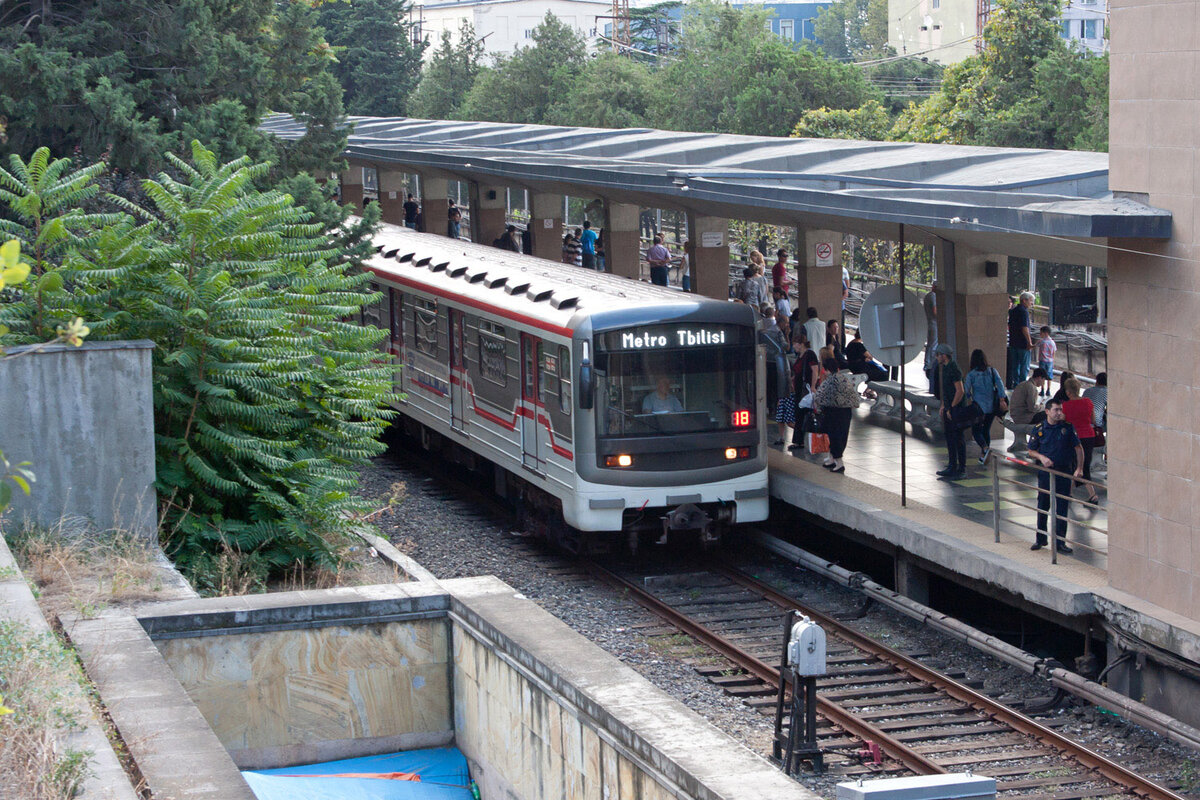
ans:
x=824 y=254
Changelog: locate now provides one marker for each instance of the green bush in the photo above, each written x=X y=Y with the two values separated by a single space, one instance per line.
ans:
x=267 y=394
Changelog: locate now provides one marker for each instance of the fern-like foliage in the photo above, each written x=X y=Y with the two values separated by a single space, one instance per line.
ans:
x=266 y=401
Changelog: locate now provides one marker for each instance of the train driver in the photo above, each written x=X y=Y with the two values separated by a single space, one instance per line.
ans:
x=662 y=400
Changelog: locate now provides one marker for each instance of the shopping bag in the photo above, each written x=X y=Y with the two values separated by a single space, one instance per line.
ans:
x=817 y=442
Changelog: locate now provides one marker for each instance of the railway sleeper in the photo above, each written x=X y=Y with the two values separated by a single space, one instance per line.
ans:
x=911 y=716
x=1052 y=780
x=1077 y=794
x=987 y=758
x=949 y=731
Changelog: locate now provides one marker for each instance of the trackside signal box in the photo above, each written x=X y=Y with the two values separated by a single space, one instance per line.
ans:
x=806 y=649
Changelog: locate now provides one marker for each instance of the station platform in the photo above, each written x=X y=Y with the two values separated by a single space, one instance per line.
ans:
x=946 y=529
x=946 y=526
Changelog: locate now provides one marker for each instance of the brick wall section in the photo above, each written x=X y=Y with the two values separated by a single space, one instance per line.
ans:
x=1154 y=309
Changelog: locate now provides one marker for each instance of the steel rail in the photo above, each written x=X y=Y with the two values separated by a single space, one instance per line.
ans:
x=1089 y=759
x=766 y=673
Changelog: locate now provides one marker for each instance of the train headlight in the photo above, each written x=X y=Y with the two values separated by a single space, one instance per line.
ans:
x=622 y=460
x=731 y=453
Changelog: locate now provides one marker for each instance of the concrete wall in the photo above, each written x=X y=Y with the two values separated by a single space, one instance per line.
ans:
x=539 y=711
x=274 y=698
x=106 y=779
x=542 y=713
x=319 y=692
x=1154 y=310
x=84 y=417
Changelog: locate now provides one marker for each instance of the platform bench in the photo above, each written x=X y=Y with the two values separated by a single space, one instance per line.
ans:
x=1020 y=434
x=925 y=407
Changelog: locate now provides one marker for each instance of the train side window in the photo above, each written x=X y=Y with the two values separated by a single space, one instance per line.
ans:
x=425 y=325
x=547 y=374
x=564 y=380
x=493 y=353
x=396 y=318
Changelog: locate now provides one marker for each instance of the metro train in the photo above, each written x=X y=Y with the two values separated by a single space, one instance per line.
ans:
x=604 y=407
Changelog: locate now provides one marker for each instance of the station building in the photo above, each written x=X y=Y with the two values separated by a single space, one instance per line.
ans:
x=1133 y=211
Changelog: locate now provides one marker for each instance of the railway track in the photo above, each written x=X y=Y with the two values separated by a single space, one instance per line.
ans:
x=920 y=721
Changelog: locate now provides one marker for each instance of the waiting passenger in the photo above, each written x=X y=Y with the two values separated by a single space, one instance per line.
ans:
x=860 y=362
x=1046 y=350
x=953 y=397
x=1098 y=394
x=1078 y=411
x=1064 y=376
x=836 y=399
x=1025 y=408
x=814 y=329
x=985 y=386
x=662 y=400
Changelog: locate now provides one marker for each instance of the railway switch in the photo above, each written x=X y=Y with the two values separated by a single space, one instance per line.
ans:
x=806 y=650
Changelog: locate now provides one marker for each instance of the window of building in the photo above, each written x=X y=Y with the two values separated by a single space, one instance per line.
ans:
x=425 y=324
x=1090 y=28
x=787 y=30
x=529 y=33
x=493 y=353
x=770 y=25
x=937 y=4
x=1066 y=29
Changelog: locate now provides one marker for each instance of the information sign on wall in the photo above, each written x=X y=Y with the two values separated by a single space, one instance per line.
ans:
x=712 y=239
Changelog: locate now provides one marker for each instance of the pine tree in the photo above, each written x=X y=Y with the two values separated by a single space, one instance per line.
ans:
x=378 y=62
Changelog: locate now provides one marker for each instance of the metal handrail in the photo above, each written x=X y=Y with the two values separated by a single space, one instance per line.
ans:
x=1052 y=512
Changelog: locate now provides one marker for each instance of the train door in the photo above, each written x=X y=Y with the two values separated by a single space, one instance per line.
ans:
x=458 y=371
x=529 y=384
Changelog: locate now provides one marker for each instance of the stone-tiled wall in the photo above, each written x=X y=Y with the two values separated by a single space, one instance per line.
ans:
x=1154 y=309
x=297 y=696
x=529 y=745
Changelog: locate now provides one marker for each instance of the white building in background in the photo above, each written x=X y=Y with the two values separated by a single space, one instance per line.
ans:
x=947 y=31
x=1086 y=22
x=505 y=25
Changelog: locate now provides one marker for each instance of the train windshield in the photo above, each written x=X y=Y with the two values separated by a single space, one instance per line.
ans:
x=659 y=380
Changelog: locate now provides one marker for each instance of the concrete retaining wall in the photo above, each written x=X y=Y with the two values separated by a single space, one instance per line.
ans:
x=288 y=678
x=295 y=697
x=84 y=417
x=106 y=779
x=543 y=713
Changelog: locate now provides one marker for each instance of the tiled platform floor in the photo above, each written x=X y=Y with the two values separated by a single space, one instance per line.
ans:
x=873 y=457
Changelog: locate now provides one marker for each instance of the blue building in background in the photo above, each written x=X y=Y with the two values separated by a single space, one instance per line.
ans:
x=793 y=22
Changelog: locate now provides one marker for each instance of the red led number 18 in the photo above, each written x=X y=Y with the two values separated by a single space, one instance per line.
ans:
x=741 y=419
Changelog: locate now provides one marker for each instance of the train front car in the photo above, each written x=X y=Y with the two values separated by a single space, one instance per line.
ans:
x=671 y=427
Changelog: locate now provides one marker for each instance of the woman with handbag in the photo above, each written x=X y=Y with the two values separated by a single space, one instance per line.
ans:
x=985 y=387
x=804 y=380
x=836 y=399
x=955 y=413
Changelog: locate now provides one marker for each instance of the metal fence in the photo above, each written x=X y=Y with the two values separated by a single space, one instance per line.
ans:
x=1017 y=491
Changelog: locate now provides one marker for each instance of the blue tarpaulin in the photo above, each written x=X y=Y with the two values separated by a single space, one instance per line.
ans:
x=442 y=772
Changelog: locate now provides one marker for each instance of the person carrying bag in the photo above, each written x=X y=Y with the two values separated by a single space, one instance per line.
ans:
x=988 y=400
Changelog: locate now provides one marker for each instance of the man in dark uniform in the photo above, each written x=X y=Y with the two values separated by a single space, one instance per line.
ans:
x=1054 y=444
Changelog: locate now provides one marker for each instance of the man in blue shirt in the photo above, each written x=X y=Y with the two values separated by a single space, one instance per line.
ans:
x=1020 y=341
x=588 y=240
x=1054 y=444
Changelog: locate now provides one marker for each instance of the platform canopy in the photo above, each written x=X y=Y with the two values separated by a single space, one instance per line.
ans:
x=1048 y=204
